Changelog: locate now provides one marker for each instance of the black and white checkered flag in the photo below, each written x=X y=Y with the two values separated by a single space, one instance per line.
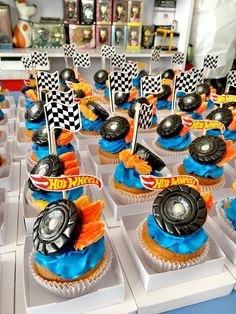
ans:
x=108 y=51
x=39 y=59
x=27 y=62
x=210 y=62
x=151 y=85
x=145 y=116
x=69 y=50
x=133 y=67
x=178 y=58
x=48 y=81
x=64 y=98
x=231 y=80
x=81 y=60
x=156 y=54
x=199 y=72
x=186 y=82
x=118 y=60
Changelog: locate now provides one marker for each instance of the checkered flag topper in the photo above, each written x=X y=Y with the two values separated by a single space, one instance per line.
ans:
x=210 y=62
x=199 y=72
x=156 y=54
x=39 y=59
x=118 y=60
x=108 y=51
x=178 y=58
x=151 y=84
x=145 y=116
x=81 y=60
x=69 y=50
x=120 y=81
x=133 y=67
x=27 y=62
x=231 y=80
x=48 y=81
x=61 y=116
x=64 y=98
x=186 y=82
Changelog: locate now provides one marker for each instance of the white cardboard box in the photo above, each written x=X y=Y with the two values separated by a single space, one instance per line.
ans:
x=83 y=141
x=3 y=215
x=108 y=291
x=174 y=296
x=6 y=174
x=11 y=111
x=15 y=173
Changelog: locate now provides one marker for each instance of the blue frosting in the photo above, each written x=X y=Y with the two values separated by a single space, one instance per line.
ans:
x=34 y=126
x=180 y=245
x=126 y=105
x=2 y=97
x=177 y=142
x=28 y=103
x=163 y=104
x=130 y=177
x=210 y=104
x=43 y=151
x=180 y=94
x=1 y=115
x=89 y=125
x=228 y=135
x=63 y=84
x=231 y=212
x=73 y=264
x=136 y=81
x=154 y=119
x=195 y=116
x=107 y=93
x=100 y=86
x=113 y=147
x=206 y=171
x=49 y=197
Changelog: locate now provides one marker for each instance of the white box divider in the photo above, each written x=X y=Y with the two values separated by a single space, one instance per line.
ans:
x=3 y=215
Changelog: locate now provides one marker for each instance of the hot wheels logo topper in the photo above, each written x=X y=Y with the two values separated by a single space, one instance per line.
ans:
x=221 y=99
x=154 y=183
x=202 y=125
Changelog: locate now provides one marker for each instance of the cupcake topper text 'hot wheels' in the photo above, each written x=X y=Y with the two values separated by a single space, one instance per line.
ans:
x=202 y=125
x=155 y=183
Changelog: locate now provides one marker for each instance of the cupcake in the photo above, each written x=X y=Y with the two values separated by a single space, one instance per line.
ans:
x=53 y=166
x=191 y=104
x=4 y=103
x=227 y=116
x=139 y=102
x=207 y=155
x=117 y=134
x=93 y=116
x=100 y=78
x=34 y=118
x=205 y=90
x=172 y=237
x=173 y=136
x=126 y=182
x=70 y=252
x=40 y=143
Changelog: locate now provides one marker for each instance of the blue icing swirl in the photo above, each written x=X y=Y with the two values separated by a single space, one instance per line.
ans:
x=136 y=81
x=49 y=197
x=163 y=104
x=206 y=171
x=228 y=135
x=181 y=244
x=177 y=142
x=113 y=147
x=100 y=86
x=130 y=177
x=231 y=212
x=195 y=116
x=210 y=104
x=34 y=126
x=107 y=93
x=126 y=105
x=43 y=151
x=89 y=125
x=2 y=97
x=1 y=115
x=63 y=84
x=154 y=119
x=73 y=264
x=28 y=103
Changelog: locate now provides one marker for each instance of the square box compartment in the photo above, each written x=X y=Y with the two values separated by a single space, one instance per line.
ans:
x=108 y=291
x=3 y=141
x=6 y=174
x=3 y=215
x=8 y=125
x=22 y=142
x=83 y=141
x=11 y=110
x=151 y=280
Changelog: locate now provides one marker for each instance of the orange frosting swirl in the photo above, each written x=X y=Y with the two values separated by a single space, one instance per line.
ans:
x=134 y=161
x=65 y=138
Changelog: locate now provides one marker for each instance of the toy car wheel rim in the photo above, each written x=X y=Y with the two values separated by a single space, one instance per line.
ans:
x=35 y=112
x=190 y=102
x=203 y=89
x=170 y=126
x=121 y=98
x=223 y=115
x=101 y=76
x=115 y=128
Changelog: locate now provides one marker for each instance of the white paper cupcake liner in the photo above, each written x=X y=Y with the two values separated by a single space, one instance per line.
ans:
x=108 y=161
x=212 y=187
x=129 y=198
x=5 y=166
x=225 y=223
x=88 y=136
x=150 y=130
x=69 y=290
x=167 y=152
x=159 y=265
x=4 y=120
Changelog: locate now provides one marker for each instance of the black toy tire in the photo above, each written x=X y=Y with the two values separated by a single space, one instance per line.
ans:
x=53 y=167
x=35 y=113
x=40 y=137
x=119 y=132
x=140 y=100
x=195 y=213
x=152 y=159
x=170 y=126
x=190 y=102
x=168 y=74
x=165 y=93
x=64 y=236
x=203 y=88
x=143 y=73
x=79 y=93
x=214 y=154
x=224 y=115
x=67 y=74
x=98 y=110
x=101 y=77
x=121 y=98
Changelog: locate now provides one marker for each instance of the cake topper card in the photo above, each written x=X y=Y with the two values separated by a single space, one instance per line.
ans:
x=151 y=85
x=154 y=183
x=69 y=51
x=221 y=99
x=130 y=66
x=107 y=52
x=27 y=62
x=155 y=58
x=65 y=98
x=39 y=60
x=81 y=60
x=209 y=62
x=231 y=80
x=202 y=125
x=47 y=81
x=118 y=60
x=178 y=60
x=199 y=72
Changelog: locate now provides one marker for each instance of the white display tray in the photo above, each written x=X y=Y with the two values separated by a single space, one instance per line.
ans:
x=83 y=141
x=3 y=142
x=14 y=180
x=21 y=102
x=151 y=280
x=3 y=215
x=108 y=291
x=7 y=283
x=10 y=226
x=11 y=111
x=9 y=126
x=232 y=269
x=20 y=119
x=6 y=174
x=174 y=296
x=116 y=206
x=22 y=145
